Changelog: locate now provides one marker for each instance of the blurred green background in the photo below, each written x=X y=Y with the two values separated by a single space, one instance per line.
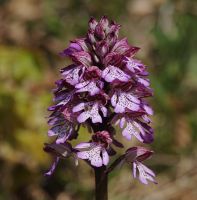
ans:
x=32 y=32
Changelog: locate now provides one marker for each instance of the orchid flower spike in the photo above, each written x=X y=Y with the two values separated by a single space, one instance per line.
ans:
x=105 y=86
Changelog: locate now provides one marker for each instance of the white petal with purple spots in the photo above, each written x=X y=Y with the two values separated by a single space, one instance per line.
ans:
x=112 y=73
x=125 y=100
x=93 y=155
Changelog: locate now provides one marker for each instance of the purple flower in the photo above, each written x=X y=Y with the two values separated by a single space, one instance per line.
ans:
x=112 y=73
x=91 y=110
x=73 y=74
x=62 y=151
x=61 y=131
x=89 y=86
x=133 y=65
x=135 y=156
x=104 y=86
x=95 y=151
x=122 y=101
x=135 y=127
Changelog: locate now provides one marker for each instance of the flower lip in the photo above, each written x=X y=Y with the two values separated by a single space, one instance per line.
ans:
x=95 y=153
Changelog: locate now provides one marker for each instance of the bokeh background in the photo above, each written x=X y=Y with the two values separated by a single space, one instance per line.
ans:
x=32 y=32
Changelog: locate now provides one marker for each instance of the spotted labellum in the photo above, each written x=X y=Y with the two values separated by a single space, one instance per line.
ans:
x=104 y=89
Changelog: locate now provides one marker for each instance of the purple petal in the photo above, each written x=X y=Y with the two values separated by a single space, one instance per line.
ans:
x=104 y=110
x=102 y=49
x=83 y=145
x=66 y=99
x=92 y=23
x=90 y=113
x=73 y=76
x=148 y=109
x=105 y=157
x=82 y=43
x=112 y=58
x=55 y=121
x=119 y=108
x=134 y=65
x=88 y=86
x=113 y=29
x=114 y=99
x=137 y=154
x=53 y=167
x=144 y=81
x=104 y=22
x=83 y=117
x=82 y=85
x=149 y=171
x=134 y=170
x=145 y=173
x=83 y=155
x=133 y=98
x=95 y=116
x=62 y=138
x=79 y=107
x=122 y=122
x=127 y=134
x=91 y=37
x=56 y=130
x=146 y=118
x=99 y=31
x=121 y=46
x=131 y=130
x=145 y=130
x=125 y=101
x=73 y=47
x=83 y=58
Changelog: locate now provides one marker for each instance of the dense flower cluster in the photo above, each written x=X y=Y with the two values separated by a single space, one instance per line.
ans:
x=104 y=87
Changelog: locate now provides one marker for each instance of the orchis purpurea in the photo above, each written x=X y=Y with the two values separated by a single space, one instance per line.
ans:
x=105 y=86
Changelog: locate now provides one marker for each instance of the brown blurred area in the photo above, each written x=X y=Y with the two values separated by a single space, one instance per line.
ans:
x=33 y=32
